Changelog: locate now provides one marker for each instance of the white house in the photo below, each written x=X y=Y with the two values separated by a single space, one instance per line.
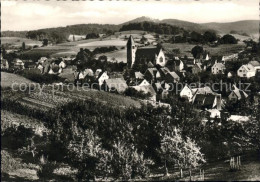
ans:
x=218 y=68
x=246 y=71
x=186 y=92
x=62 y=65
x=102 y=77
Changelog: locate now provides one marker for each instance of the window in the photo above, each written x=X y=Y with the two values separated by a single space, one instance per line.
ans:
x=161 y=59
x=240 y=70
x=244 y=75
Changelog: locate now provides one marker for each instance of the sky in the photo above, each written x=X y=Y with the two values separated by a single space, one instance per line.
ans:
x=32 y=15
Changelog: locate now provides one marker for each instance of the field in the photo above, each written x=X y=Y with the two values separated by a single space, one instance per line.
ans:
x=115 y=56
x=17 y=41
x=7 y=79
x=68 y=49
x=185 y=49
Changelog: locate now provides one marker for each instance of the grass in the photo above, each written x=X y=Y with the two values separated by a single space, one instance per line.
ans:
x=219 y=171
x=17 y=41
x=8 y=79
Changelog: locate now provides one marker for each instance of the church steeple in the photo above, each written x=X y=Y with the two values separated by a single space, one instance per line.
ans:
x=131 y=49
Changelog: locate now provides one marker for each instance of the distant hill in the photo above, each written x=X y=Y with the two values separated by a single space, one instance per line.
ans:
x=141 y=19
x=247 y=26
x=60 y=34
x=186 y=25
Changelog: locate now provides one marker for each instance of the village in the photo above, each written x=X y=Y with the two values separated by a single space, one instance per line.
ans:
x=153 y=77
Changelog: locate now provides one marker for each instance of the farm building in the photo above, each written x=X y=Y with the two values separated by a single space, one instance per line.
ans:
x=237 y=94
x=218 y=68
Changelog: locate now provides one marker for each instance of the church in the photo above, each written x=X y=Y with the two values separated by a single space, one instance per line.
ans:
x=143 y=55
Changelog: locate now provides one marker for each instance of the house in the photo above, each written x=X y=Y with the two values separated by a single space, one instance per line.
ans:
x=62 y=64
x=212 y=113
x=196 y=68
x=218 y=68
x=40 y=67
x=29 y=64
x=4 y=64
x=179 y=66
x=143 y=55
x=147 y=89
x=209 y=101
x=186 y=92
x=115 y=85
x=246 y=71
x=172 y=77
x=152 y=74
x=102 y=77
x=97 y=72
x=18 y=64
x=237 y=94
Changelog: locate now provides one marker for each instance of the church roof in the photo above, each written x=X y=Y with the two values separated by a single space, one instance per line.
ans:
x=147 y=52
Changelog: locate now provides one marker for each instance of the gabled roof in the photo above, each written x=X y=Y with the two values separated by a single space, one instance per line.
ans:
x=117 y=83
x=139 y=75
x=152 y=71
x=254 y=63
x=101 y=73
x=146 y=89
x=239 y=93
x=203 y=90
x=219 y=65
x=147 y=52
x=198 y=65
x=150 y=64
x=173 y=75
x=88 y=72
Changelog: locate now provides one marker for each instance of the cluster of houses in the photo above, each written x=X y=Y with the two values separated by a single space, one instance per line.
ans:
x=158 y=78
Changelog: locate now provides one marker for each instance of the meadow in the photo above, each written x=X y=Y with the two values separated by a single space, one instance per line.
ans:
x=17 y=41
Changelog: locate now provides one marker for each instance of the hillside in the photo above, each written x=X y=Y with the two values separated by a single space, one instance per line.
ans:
x=60 y=34
x=250 y=27
x=185 y=24
x=141 y=19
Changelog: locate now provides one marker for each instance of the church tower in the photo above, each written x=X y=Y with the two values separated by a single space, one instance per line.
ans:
x=131 y=49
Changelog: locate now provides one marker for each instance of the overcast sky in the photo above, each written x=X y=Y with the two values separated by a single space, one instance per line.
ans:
x=30 y=15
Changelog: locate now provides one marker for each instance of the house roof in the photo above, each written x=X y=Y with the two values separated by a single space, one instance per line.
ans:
x=219 y=65
x=139 y=75
x=239 y=93
x=173 y=75
x=204 y=100
x=203 y=90
x=152 y=71
x=150 y=64
x=249 y=67
x=254 y=63
x=88 y=72
x=146 y=89
x=118 y=83
x=198 y=65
